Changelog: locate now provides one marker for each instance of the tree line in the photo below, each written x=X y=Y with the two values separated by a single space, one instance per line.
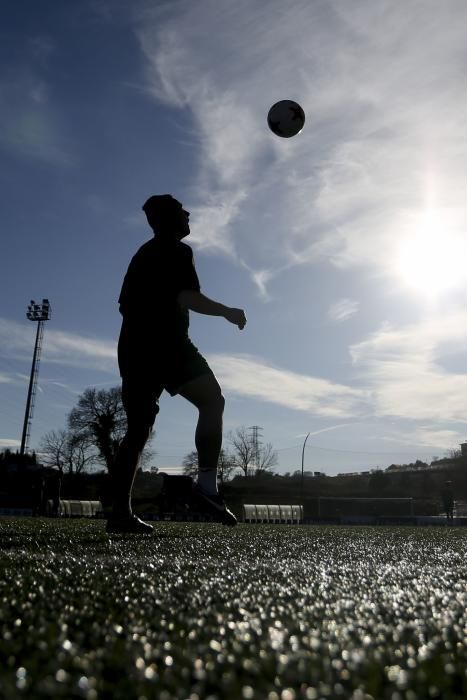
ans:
x=97 y=424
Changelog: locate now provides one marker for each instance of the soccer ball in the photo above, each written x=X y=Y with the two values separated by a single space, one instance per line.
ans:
x=286 y=118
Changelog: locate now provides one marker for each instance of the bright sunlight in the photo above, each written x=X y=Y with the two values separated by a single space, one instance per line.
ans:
x=432 y=258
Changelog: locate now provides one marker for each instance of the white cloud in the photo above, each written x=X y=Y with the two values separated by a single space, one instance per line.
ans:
x=6 y=378
x=325 y=430
x=427 y=436
x=261 y=279
x=382 y=113
x=241 y=374
x=401 y=373
x=17 y=340
x=210 y=221
x=343 y=309
x=404 y=369
x=255 y=378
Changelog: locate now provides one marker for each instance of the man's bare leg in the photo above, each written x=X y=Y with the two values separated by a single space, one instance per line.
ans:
x=122 y=520
x=124 y=470
x=205 y=393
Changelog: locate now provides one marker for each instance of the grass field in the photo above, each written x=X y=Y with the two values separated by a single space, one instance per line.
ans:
x=200 y=611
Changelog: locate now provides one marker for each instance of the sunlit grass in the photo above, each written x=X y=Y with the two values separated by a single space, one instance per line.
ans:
x=202 y=611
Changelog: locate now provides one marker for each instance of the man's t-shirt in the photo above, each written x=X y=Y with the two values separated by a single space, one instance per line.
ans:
x=157 y=273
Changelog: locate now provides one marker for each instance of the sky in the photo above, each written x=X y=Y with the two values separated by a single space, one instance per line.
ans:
x=345 y=245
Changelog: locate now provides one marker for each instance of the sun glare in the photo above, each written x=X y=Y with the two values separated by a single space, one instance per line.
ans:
x=433 y=258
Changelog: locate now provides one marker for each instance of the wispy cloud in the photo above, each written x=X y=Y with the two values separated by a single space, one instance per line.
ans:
x=66 y=387
x=16 y=340
x=240 y=374
x=428 y=436
x=326 y=430
x=261 y=279
x=406 y=369
x=377 y=111
x=6 y=378
x=401 y=372
x=252 y=377
x=343 y=309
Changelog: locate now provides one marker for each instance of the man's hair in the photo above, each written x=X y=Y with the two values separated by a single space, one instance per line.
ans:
x=160 y=205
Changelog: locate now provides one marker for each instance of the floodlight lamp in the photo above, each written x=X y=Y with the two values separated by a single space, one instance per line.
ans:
x=39 y=312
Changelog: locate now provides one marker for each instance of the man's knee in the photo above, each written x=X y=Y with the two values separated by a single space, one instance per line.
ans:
x=205 y=393
x=138 y=434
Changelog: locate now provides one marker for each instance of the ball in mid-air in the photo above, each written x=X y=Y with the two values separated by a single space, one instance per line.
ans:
x=286 y=118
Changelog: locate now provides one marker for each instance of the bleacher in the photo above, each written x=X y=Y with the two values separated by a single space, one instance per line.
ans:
x=80 y=509
x=278 y=514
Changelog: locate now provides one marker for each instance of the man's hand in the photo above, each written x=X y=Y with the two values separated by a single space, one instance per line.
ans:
x=191 y=299
x=236 y=316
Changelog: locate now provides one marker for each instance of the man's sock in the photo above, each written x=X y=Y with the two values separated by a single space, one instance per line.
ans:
x=207 y=479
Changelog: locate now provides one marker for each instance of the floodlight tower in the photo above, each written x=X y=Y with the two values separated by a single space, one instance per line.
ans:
x=39 y=313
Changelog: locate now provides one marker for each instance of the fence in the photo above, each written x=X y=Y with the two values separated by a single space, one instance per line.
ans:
x=333 y=507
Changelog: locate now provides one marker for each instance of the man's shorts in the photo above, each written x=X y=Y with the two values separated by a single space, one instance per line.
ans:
x=145 y=376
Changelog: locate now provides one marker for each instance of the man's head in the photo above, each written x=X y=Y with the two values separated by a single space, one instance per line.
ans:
x=166 y=215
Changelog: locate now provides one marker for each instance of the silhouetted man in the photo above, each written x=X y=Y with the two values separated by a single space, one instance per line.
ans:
x=155 y=353
x=447 y=496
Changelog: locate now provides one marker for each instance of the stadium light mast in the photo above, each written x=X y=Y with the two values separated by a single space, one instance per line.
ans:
x=38 y=313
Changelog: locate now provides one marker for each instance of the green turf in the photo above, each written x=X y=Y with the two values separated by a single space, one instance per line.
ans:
x=201 y=611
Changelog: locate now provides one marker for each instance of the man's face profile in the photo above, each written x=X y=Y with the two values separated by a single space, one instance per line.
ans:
x=169 y=219
x=181 y=223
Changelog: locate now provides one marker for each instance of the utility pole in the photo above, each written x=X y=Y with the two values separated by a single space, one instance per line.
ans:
x=255 y=442
x=38 y=313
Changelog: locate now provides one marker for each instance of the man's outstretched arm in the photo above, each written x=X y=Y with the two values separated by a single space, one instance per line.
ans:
x=195 y=301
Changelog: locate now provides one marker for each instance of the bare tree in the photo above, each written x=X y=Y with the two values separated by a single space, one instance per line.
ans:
x=53 y=449
x=100 y=418
x=225 y=465
x=245 y=457
x=67 y=451
x=243 y=450
x=267 y=459
x=454 y=454
x=190 y=464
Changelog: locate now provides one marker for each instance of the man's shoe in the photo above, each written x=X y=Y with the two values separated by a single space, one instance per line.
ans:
x=131 y=524
x=213 y=505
